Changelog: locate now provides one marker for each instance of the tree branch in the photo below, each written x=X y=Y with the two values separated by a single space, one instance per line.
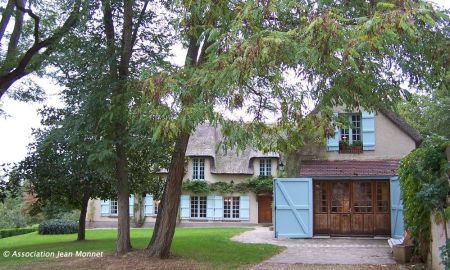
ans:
x=28 y=62
x=138 y=23
x=109 y=32
x=21 y=7
x=127 y=34
x=15 y=36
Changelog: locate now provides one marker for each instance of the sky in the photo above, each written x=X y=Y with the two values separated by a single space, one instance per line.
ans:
x=16 y=128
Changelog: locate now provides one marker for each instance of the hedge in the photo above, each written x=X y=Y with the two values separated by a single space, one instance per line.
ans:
x=16 y=231
x=58 y=226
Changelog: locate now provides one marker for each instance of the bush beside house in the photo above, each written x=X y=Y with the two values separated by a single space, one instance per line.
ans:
x=424 y=184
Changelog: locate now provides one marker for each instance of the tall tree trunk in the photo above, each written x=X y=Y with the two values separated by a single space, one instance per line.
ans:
x=168 y=209
x=123 y=193
x=82 y=219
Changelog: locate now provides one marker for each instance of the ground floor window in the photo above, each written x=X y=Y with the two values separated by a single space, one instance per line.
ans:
x=230 y=207
x=198 y=207
x=113 y=207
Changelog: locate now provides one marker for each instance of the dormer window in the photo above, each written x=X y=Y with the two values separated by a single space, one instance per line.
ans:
x=198 y=169
x=265 y=167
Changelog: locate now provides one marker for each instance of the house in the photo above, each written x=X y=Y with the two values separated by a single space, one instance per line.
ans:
x=206 y=163
x=350 y=186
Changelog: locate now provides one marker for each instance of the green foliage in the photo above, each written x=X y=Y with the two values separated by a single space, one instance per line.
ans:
x=16 y=231
x=222 y=187
x=52 y=210
x=424 y=185
x=260 y=184
x=445 y=254
x=12 y=213
x=428 y=114
x=357 y=143
x=197 y=187
x=58 y=226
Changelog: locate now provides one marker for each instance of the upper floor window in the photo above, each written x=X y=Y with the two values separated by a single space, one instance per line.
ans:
x=265 y=167
x=198 y=168
x=352 y=133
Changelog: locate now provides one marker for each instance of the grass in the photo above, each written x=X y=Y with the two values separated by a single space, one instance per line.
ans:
x=205 y=245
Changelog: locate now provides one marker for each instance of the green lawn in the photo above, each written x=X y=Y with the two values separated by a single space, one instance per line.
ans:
x=209 y=245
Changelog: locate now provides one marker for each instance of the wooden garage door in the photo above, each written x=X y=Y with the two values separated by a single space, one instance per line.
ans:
x=351 y=208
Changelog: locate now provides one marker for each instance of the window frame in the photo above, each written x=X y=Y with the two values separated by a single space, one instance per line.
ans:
x=196 y=203
x=234 y=203
x=349 y=131
x=265 y=167
x=198 y=169
x=113 y=203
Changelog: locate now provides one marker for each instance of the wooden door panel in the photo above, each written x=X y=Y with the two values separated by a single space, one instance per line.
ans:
x=321 y=223
x=264 y=209
x=382 y=224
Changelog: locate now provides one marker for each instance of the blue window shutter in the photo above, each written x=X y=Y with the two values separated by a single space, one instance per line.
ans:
x=148 y=208
x=104 y=205
x=368 y=130
x=218 y=207
x=131 y=205
x=244 y=207
x=397 y=222
x=210 y=207
x=185 y=205
x=333 y=142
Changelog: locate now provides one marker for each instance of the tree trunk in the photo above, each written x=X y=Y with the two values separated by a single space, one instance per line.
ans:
x=16 y=33
x=123 y=193
x=139 y=207
x=6 y=15
x=82 y=219
x=167 y=213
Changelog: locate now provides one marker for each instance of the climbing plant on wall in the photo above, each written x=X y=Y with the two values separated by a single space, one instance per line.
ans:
x=256 y=185
x=424 y=184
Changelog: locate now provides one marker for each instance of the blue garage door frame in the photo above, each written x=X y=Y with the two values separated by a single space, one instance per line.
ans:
x=293 y=207
x=397 y=222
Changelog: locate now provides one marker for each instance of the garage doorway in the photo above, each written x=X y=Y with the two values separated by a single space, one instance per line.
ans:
x=351 y=207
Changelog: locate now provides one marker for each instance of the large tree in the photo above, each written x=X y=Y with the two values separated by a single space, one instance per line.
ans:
x=37 y=28
x=100 y=65
x=58 y=168
x=345 y=53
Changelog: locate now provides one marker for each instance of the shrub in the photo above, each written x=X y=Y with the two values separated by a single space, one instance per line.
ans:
x=424 y=185
x=58 y=226
x=16 y=231
x=12 y=214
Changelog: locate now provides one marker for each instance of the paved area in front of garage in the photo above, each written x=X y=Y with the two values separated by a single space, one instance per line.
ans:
x=352 y=252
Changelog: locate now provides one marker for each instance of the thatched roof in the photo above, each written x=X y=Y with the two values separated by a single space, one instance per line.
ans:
x=204 y=143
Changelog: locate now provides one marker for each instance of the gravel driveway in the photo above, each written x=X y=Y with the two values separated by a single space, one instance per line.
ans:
x=323 y=253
